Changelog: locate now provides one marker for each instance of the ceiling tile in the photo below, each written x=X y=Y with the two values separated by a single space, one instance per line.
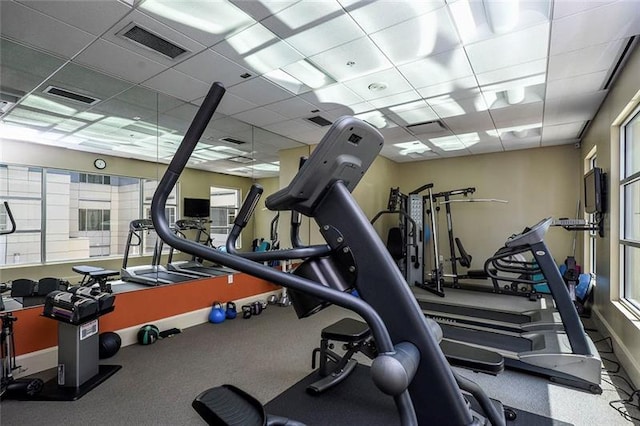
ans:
x=206 y=22
x=210 y=66
x=291 y=127
x=590 y=59
x=526 y=143
x=331 y=97
x=517 y=47
x=485 y=146
x=258 y=49
x=585 y=83
x=374 y=16
x=432 y=33
x=397 y=99
x=436 y=69
x=94 y=17
x=472 y=122
x=595 y=26
x=231 y=104
x=525 y=70
x=92 y=83
x=379 y=84
x=260 y=117
x=565 y=8
x=562 y=131
x=292 y=108
x=178 y=84
x=351 y=60
x=337 y=30
x=456 y=89
x=516 y=115
x=19 y=23
x=118 y=61
x=157 y=28
x=259 y=91
x=22 y=69
x=575 y=108
x=396 y=135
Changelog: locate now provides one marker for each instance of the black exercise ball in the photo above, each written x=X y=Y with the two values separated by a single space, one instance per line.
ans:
x=148 y=334
x=109 y=344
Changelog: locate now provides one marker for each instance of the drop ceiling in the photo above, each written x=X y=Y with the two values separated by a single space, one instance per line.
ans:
x=438 y=78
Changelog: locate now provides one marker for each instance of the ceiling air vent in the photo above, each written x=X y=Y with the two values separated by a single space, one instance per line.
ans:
x=147 y=39
x=233 y=141
x=241 y=159
x=320 y=121
x=71 y=96
x=435 y=126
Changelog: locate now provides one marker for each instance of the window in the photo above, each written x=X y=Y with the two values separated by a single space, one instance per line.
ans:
x=170 y=213
x=630 y=210
x=64 y=215
x=225 y=203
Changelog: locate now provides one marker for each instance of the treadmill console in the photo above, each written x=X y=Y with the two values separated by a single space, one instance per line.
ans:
x=530 y=236
x=345 y=153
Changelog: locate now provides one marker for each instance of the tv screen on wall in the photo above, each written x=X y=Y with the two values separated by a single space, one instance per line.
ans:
x=196 y=207
x=593 y=191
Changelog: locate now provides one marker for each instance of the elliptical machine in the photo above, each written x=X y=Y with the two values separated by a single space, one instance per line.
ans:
x=10 y=387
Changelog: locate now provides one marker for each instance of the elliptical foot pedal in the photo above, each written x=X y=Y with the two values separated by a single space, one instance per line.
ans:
x=228 y=405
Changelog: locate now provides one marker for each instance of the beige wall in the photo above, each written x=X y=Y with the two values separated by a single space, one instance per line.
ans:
x=604 y=135
x=193 y=183
x=537 y=183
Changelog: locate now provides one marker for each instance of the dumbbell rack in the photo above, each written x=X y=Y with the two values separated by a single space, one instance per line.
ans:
x=78 y=370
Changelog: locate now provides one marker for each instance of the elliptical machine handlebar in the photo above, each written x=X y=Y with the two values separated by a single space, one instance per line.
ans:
x=11 y=220
x=246 y=211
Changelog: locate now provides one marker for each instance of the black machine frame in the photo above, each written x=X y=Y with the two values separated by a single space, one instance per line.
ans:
x=433 y=392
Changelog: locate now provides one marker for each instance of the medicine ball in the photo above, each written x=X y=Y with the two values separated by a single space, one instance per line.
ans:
x=148 y=334
x=109 y=344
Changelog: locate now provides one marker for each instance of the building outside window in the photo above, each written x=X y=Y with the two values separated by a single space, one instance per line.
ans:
x=225 y=203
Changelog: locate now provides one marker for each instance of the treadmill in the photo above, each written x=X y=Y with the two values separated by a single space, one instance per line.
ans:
x=501 y=311
x=193 y=266
x=154 y=274
x=568 y=357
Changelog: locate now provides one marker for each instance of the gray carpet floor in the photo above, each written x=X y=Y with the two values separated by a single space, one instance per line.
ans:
x=265 y=355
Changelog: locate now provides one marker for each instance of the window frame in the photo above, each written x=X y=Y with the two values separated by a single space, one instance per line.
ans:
x=624 y=182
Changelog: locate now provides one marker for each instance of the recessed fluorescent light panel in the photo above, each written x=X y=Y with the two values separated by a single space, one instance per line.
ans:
x=287 y=82
x=375 y=118
x=456 y=142
x=414 y=112
x=211 y=17
x=413 y=147
x=308 y=74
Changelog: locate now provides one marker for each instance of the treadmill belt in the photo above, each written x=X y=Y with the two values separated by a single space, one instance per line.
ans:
x=508 y=317
x=357 y=401
x=487 y=339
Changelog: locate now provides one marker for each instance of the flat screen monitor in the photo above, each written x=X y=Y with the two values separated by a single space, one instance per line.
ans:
x=196 y=207
x=593 y=191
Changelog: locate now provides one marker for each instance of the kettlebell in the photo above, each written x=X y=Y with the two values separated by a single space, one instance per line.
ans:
x=217 y=314
x=231 y=311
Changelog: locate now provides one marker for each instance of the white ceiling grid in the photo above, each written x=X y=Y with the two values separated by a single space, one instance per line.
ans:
x=495 y=75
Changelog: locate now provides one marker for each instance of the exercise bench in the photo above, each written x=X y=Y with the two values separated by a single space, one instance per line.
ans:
x=95 y=275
